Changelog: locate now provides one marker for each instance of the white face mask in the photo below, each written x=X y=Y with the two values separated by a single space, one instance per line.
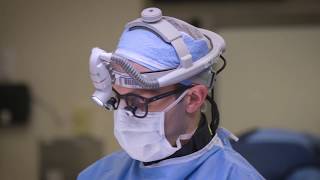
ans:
x=144 y=138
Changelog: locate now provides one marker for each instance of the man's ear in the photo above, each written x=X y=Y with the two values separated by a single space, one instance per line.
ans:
x=195 y=98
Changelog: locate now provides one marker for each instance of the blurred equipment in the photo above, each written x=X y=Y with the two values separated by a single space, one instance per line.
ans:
x=63 y=159
x=281 y=154
x=15 y=104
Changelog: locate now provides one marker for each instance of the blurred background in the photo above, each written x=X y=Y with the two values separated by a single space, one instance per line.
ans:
x=50 y=129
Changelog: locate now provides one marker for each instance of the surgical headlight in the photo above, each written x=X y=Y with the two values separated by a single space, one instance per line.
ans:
x=104 y=66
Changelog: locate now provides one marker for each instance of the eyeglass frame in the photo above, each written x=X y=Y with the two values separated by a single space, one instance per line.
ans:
x=147 y=101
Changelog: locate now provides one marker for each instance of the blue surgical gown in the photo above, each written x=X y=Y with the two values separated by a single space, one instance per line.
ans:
x=216 y=161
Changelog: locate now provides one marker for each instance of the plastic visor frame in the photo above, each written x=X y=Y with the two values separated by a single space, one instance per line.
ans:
x=102 y=75
x=144 y=100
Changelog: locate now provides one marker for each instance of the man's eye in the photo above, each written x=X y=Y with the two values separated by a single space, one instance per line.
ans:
x=136 y=102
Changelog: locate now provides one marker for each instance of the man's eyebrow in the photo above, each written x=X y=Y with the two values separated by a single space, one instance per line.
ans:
x=142 y=91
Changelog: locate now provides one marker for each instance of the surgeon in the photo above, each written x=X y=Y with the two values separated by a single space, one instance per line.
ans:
x=158 y=82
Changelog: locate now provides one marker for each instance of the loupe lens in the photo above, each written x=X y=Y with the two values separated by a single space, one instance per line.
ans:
x=97 y=100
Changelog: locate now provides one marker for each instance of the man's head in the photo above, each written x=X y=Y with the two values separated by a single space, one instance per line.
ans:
x=160 y=74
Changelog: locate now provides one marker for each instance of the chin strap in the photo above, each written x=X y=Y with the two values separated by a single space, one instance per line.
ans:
x=215 y=115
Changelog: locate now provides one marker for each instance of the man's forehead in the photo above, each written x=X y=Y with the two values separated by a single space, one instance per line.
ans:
x=125 y=90
x=141 y=69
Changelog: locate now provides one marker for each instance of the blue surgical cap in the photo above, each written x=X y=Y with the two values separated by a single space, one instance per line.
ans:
x=148 y=49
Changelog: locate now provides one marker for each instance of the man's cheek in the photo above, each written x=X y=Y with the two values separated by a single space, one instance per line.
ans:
x=174 y=125
x=170 y=127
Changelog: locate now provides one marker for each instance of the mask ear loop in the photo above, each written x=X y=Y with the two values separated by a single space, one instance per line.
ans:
x=168 y=108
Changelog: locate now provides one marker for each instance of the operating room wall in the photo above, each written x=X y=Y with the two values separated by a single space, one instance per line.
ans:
x=49 y=42
x=271 y=79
